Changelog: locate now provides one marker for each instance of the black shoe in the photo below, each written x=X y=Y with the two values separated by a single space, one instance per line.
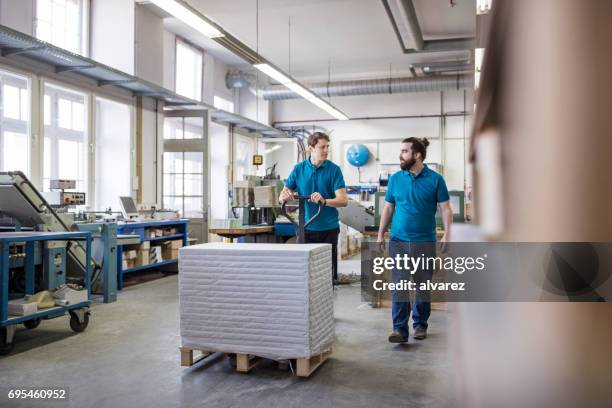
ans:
x=397 y=337
x=420 y=333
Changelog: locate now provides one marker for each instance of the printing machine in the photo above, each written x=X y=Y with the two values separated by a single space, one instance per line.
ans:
x=26 y=207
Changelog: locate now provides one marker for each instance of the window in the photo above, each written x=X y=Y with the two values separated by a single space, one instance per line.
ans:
x=65 y=145
x=63 y=23
x=113 y=153
x=14 y=123
x=182 y=128
x=188 y=71
x=222 y=103
x=184 y=183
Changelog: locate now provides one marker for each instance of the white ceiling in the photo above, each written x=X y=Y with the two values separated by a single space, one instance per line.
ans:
x=354 y=37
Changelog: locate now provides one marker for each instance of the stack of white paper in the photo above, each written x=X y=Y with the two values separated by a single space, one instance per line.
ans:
x=270 y=300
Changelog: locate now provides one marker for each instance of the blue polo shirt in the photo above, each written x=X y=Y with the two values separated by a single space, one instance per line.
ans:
x=416 y=200
x=306 y=179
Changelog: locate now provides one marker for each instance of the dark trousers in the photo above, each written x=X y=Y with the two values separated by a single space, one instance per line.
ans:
x=326 y=237
x=400 y=306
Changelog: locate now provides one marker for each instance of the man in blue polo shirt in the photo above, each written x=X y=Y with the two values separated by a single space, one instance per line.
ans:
x=413 y=195
x=322 y=180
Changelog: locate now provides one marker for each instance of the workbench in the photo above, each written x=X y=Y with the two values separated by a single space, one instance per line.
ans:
x=231 y=230
x=133 y=233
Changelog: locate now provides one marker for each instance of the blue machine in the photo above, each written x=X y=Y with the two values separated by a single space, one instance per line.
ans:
x=357 y=155
x=79 y=312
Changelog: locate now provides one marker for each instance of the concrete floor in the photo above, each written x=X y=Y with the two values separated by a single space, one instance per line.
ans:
x=129 y=356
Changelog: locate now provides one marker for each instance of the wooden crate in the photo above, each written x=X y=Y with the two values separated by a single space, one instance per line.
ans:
x=304 y=367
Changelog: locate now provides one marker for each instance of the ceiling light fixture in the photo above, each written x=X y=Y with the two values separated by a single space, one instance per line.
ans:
x=299 y=89
x=201 y=23
x=187 y=15
x=273 y=73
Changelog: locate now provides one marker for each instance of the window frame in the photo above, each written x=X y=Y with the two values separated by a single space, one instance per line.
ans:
x=189 y=45
x=84 y=25
x=13 y=125
x=72 y=94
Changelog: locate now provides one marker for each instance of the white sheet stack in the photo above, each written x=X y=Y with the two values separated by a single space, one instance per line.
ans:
x=270 y=300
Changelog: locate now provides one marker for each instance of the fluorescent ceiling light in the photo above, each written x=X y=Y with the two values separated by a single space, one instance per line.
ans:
x=300 y=90
x=328 y=108
x=273 y=73
x=189 y=17
x=304 y=92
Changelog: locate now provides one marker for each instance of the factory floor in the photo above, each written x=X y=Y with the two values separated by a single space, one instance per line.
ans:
x=128 y=357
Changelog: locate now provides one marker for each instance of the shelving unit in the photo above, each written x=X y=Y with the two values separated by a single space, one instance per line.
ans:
x=143 y=231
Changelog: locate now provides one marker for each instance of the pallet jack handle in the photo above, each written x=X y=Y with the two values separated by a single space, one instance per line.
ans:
x=302 y=223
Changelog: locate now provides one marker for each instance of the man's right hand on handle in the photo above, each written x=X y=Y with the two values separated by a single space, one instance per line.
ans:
x=286 y=195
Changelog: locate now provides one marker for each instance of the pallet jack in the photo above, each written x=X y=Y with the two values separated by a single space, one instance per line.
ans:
x=300 y=226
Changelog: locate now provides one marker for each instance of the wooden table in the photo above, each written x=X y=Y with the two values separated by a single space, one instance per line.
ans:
x=241 y=231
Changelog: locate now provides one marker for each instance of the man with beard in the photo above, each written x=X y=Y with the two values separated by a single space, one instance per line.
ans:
x=413 y=195
x=322 y=180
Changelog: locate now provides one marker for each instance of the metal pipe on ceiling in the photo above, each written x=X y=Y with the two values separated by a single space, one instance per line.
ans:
x=404 y=9
x=377 y=86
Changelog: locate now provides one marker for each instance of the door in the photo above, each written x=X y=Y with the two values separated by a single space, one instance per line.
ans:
x=185 y=168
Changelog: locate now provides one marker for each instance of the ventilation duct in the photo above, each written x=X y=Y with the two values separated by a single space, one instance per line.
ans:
x=405 y=23
x=377 y=86
x=239 y=79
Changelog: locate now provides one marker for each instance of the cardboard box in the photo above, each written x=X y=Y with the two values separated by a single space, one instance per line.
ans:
x=145 y=245
x=19 y=307
x=143 y=257
x=169 y=253
x=170 y=249
x=155 y=254
x=131 y=254
x=174 y=244
x=128 y=263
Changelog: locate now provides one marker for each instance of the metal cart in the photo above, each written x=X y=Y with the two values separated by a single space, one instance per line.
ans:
x=79 y=312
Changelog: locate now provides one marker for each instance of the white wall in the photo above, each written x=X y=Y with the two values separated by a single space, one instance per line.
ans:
x=149 y=52
x=219 y=171
x=248 y=106
x=150 y=183
x=112 y=33
x=18 y=15
x=285 y=157
x=386 y=134
x=114 y=158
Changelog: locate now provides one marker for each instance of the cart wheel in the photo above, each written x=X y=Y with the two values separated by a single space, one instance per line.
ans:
x=76 y=325
x=5 y=347
x=32 y=324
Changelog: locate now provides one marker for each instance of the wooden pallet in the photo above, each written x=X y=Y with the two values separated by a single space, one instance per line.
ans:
x=350 y=254
x=246 y=362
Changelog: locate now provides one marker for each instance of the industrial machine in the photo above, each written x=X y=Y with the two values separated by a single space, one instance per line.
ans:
x=28 y=208
x=258 y=198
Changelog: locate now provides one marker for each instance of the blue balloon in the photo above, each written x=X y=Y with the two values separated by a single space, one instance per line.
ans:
x=357 y=155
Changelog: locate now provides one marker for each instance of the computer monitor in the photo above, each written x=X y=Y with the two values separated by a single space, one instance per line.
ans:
x=128 y=206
